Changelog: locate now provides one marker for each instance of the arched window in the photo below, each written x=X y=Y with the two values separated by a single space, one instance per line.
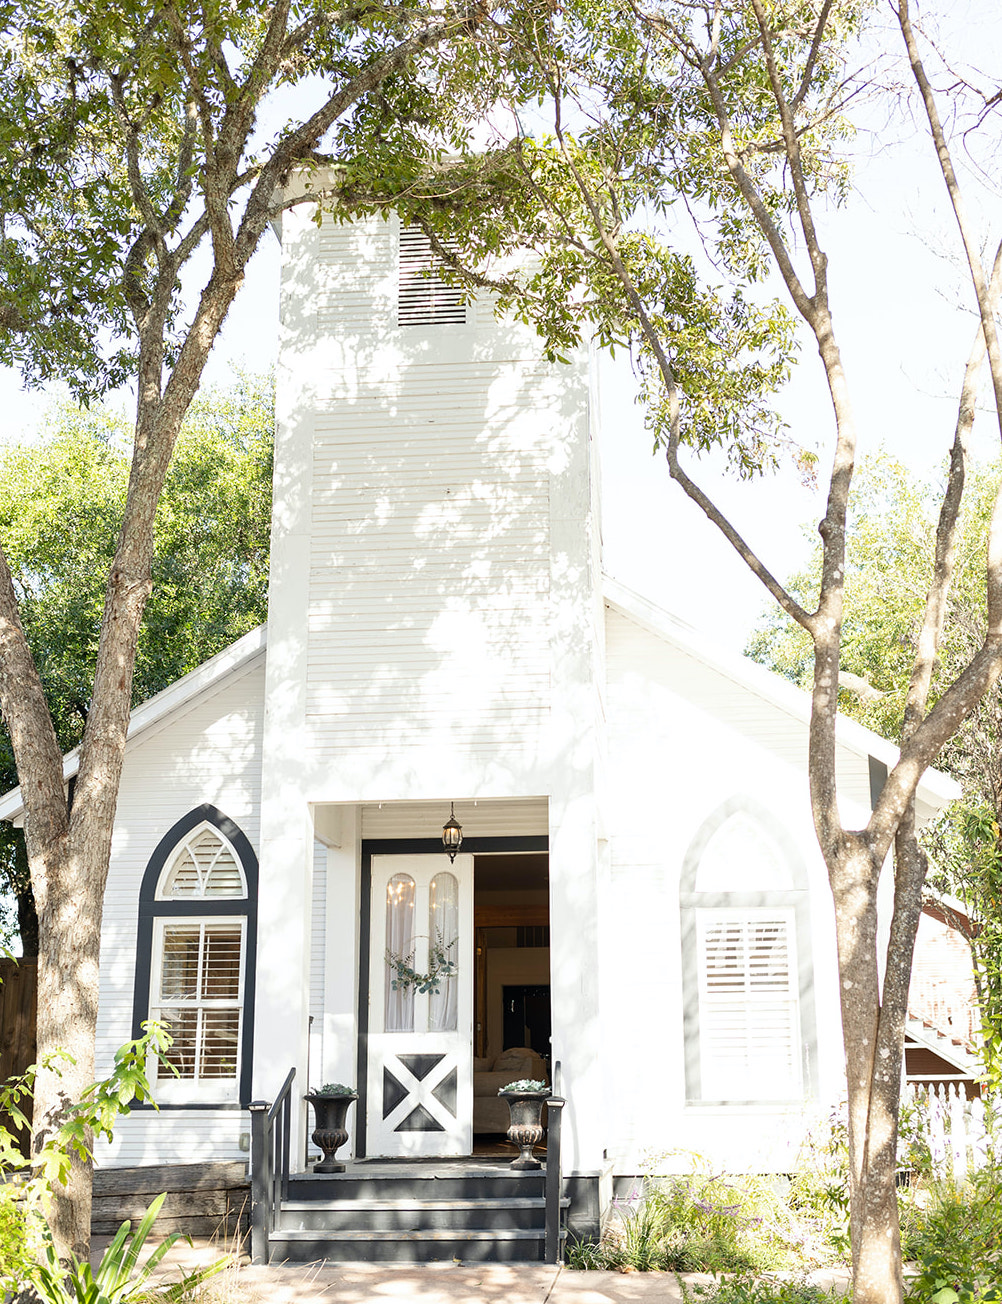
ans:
x=194 y=971
x=746 y=968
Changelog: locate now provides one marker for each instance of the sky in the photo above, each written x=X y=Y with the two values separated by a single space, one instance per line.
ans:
x=893 y=274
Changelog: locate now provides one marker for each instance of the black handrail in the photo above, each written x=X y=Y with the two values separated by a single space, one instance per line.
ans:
x=554 y=1111
x=269 y=1175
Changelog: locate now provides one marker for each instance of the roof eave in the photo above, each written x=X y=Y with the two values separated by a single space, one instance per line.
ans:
x=935 y=789
x=156 y=708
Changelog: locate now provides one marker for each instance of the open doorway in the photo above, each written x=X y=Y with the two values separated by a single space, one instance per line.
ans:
x=511 y=1018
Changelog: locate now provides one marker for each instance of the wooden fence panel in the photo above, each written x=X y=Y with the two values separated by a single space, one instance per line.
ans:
x=18 y=986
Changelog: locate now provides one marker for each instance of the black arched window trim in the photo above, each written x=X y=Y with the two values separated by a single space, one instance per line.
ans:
x=150 y=909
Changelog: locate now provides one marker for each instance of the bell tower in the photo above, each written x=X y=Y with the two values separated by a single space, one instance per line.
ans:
x=435 y=613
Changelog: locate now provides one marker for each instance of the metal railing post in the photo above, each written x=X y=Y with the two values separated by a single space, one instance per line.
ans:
x=554 y=1110
x=260 y=1181
x=286 y=1145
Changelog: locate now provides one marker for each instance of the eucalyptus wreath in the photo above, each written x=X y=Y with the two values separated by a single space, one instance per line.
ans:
x=440 y=966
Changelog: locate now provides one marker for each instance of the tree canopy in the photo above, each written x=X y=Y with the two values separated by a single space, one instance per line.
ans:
x=132 y=140
x=60 y=504
x=889 y=568
x=735 y=114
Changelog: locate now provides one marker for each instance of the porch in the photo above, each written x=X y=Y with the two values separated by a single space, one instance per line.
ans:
x=401 y=1210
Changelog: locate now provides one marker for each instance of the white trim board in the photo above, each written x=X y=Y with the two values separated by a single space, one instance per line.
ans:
x=172 y=700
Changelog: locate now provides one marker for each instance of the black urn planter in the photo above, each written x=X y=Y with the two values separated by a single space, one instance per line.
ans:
x=330 y=1133
x=526 y=1130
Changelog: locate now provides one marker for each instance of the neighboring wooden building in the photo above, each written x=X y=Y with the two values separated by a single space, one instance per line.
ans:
x=944 y=1028
x=634 y=802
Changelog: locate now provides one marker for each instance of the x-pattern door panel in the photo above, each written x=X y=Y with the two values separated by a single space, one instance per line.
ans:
x=419 y=1087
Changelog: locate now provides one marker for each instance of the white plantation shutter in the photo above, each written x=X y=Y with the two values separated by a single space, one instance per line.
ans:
x=204 y=866
x=749 y=1020
x=423 y=298
x=197 y=982
x=200 y=992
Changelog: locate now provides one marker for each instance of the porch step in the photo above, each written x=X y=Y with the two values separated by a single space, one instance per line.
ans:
x=501 y=1184
x=411 y=1215
x=471 y=1245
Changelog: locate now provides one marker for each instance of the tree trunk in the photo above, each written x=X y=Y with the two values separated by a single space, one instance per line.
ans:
x=873 y=1209
x=68 y=958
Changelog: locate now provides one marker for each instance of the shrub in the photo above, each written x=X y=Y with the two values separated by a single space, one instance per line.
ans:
x=956 y=1241
x=696 y=1223
x=17 y=1250
x=745 y=1290
x=119 y=1278
x=27 y=1254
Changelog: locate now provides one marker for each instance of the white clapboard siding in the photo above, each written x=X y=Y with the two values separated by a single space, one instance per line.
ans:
x=209 y=751
x=748 y=1007
x=430 y=558
x=346 y=302
x=146 y=1138
x=639 y=663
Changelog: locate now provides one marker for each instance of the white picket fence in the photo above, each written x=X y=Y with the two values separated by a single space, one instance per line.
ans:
x=960 y=1133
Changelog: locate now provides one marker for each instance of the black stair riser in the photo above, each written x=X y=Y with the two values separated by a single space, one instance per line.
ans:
x=408 y=1220
x=515 y=1187
x=481 y=1250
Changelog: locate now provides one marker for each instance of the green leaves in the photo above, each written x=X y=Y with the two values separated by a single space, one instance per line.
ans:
x=614 y=181
x=118 y=1278
x=60 y=509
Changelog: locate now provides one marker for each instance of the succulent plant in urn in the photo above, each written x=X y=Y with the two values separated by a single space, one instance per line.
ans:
x=525 y=1098
x=330 y=1106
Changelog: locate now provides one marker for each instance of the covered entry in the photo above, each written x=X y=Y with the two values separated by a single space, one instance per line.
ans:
x=445 y=950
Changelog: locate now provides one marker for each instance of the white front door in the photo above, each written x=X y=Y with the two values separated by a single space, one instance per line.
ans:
x=419 y=1084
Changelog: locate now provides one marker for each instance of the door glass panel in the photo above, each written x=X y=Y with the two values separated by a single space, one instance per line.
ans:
x=443 y=947
x=398 y=1014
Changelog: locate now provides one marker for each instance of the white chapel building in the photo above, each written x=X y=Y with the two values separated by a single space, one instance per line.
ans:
x=638 y=910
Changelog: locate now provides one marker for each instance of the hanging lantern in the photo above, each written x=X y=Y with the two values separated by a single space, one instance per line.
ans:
x=452 y=833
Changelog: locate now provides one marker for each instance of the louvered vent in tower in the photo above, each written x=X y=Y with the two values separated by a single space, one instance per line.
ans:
x=423 y=299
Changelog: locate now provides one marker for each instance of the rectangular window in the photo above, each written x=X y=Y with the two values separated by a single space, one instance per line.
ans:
x=423 y=298
x=749 y=1010
x=198 y=990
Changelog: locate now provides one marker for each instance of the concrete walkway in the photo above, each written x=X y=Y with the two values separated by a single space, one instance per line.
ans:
x=431 y=1283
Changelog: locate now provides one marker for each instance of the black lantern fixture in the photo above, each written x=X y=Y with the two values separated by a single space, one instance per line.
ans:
x=452 y=833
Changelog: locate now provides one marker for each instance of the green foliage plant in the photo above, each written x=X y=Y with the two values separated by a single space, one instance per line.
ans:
x=954 y=1236
x=744 y=1289
x=119 y=1277
x=61 y=501
x=584 y=1255
x=818 y=1197
x=523 y=1084
x=441 y=965
x=698 y=1222
x=335 y=1089
x=27 y=1252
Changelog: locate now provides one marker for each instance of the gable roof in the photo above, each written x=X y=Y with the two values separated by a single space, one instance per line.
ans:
x=935 y=789
x=205 y=678
x=934 y=792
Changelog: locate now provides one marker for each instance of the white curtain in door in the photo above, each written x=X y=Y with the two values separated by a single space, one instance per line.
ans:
x=398 y=1012
x=443 y=937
